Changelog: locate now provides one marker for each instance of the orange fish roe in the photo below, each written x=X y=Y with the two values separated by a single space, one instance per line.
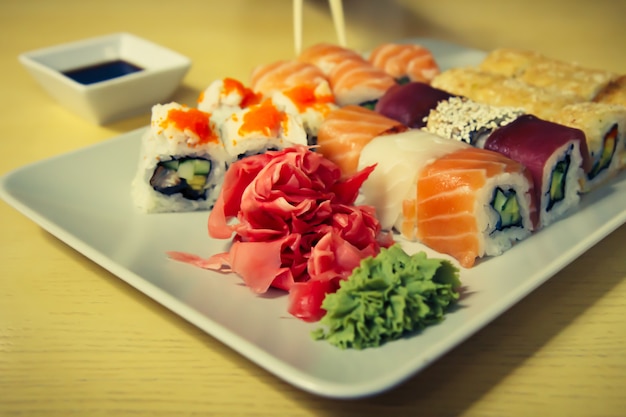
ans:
x=200 y=97
x=304 y=97
x=249 y=97
x=194 y=120
x=264 y=118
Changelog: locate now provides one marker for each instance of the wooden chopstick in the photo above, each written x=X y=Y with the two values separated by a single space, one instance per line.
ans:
x=297 y=25
x=336 y=11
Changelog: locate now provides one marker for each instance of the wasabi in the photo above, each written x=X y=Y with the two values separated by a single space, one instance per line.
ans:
x=387 y=297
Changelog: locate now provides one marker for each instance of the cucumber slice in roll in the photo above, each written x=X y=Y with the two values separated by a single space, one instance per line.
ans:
x=558 y=182
x=609 y=145
x=185 y=176
x=507 y=207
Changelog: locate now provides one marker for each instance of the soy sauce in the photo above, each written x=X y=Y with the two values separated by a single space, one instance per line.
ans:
x=101 y=72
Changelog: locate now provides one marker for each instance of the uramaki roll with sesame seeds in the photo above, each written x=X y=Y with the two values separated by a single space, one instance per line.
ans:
x=468 y=121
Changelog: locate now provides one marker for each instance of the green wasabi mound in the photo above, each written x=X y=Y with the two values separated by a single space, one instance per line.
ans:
x=387 y=297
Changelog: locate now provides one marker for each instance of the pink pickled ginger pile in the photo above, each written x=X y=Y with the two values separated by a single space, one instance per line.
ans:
x=294 y=226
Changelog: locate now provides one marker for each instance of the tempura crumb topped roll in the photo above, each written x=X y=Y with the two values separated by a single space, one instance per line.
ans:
x=467 y=81
x=604 y=126
x=614 y=93
x=510 y=62
x=498 y=90
x=540 y=70
x=567 y=77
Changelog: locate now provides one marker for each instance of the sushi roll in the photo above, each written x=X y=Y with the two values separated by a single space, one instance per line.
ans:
x=510 y=62
x=297 y=88
x=182 y=161
x=473 y=203
x=498 y=90
x=556 y=157
x=468 y=121
x=313 y=105
x=614 y=93
x=604 y=126
x=226 y=93
x=541 y=71
x=567 y=77
x=452 y=197
x=468 y=82
x=405 y=62
x=398 y=158
x=344 y=133
x=259 y=128
x=410 y=103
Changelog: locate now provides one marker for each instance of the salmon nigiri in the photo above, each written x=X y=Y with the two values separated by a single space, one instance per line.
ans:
x=327 y=55
x=345 y=132
x=355 y=81
x=391 y=186
x=473 y=203
x=405 y=62
x=284 y=75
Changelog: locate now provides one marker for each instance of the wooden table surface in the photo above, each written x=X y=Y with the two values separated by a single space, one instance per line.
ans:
x=77 y=341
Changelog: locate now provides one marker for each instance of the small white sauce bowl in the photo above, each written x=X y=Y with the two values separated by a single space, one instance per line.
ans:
x=162 y=70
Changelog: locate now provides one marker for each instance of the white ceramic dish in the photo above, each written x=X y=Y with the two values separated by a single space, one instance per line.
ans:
x=116 y=98
x=94 y=214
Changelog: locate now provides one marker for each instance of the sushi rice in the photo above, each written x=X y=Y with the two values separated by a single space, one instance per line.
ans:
x=166 y=142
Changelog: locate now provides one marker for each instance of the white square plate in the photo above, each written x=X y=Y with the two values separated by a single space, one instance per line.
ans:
x=83 y=198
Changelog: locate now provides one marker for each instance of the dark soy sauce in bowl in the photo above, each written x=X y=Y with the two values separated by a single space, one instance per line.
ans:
x=102 y=71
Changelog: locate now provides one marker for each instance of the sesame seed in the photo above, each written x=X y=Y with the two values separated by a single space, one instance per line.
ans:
x=468 y=121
